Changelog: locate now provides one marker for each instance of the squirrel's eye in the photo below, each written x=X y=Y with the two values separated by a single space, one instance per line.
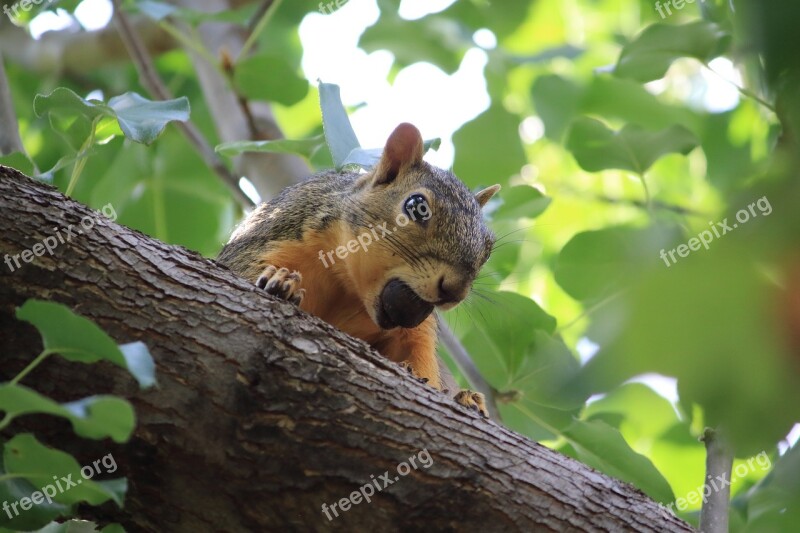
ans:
x=417 y=208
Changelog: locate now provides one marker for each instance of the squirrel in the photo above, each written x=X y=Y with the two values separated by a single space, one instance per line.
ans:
x=373 y=253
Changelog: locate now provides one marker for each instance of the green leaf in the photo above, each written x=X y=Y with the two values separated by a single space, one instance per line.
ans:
x=140 y=119
x=650 y=54
x=143 y=120
x=63 y=101
x=96 y=417
x=596 y=264
x=702 y=320
x=602 y=447
x=440 y=42
x=557 y=101
x=70 y=115
x=339 y=133
x=78 y=339
x=165 y=191
x=543 y=370
x=305 y=147
x=12 y=490
x=645 y=412
x=24 y=456
x=596 y=147
x=522 y=201
x=482 y=158
x=270 y=78
x=497 y=354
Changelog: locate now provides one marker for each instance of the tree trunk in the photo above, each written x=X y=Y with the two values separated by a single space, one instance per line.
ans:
x=262 y=413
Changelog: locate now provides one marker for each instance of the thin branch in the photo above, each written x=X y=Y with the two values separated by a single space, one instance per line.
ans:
x=263 y=16
x=719 y=462
x=150 y=79
x=655 y=204
x=10 y=140
x=467 y=367
x=747 y=93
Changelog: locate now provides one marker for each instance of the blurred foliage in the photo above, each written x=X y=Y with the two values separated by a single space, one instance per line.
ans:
x=642 y=230
x=31 y=473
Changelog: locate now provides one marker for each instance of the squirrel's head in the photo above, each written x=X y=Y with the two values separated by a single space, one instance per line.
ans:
x=427 y=236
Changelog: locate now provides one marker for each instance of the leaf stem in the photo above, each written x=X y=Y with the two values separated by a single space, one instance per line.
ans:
x=271 y=8
x=744 y=92
x=80 y=161
x=194 y=44
x=14 y=476
x=647 y=198
x=28 y=369
x=589 y=311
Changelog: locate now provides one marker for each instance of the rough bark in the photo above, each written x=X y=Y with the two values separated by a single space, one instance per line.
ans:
x=262 y=413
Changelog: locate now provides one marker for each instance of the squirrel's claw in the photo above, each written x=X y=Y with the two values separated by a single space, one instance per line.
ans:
x=410 y=370
x=473 y=400
x=282 y=283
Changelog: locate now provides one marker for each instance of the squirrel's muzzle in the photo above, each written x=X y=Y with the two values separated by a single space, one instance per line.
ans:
x=400 y=306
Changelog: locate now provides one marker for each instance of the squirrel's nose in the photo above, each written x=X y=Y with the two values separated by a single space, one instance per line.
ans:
x=450 y=291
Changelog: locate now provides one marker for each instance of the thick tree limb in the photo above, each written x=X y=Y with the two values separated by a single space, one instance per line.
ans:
x=262 y=413
x=77 y=52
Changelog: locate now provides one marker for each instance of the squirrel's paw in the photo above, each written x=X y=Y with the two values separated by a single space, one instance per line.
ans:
x=410 y=370
x=473 y=400
x=282 y=283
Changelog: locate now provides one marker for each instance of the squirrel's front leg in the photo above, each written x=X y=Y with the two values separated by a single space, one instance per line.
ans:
x=415 y=348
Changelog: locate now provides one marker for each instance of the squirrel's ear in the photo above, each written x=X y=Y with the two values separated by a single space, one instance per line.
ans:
x=404 y=148
x=486 y=194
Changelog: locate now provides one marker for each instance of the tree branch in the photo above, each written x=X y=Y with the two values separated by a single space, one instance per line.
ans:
x=150 y=79
x=262 y=413
x=236 y=119
x=467 y=367
x=9 y=135
x=719 y=462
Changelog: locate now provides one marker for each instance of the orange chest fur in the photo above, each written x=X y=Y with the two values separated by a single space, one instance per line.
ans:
x=332 y=295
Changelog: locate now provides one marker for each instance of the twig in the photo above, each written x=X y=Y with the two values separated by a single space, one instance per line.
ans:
x=263 y=16
x=150 y=79
x=467 y=367
x=719 y=462
x=655 y=204
x=10 y=140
